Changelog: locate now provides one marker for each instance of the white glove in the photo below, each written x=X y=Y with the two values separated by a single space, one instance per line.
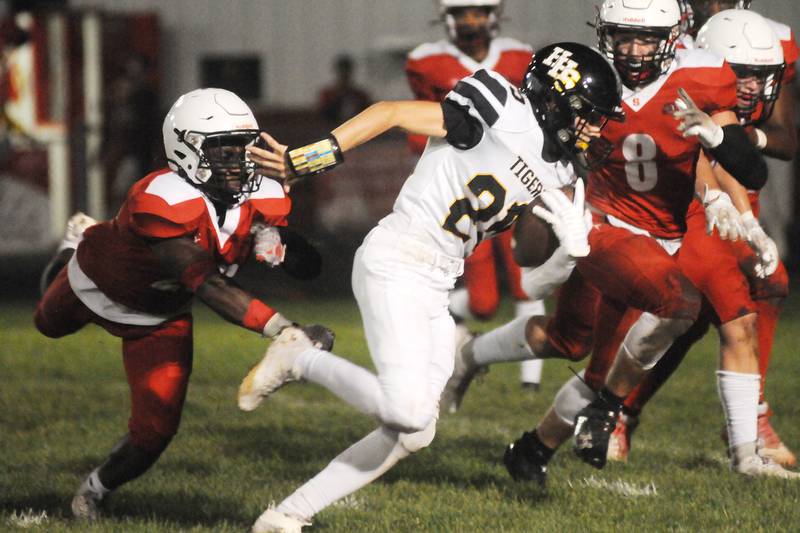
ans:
x=721 y=214
x=694 y=122
x=267 y=245
x=568 y=218
x=765 y=248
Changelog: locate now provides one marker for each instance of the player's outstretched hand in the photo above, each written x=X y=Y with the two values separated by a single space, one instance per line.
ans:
x=695 y=122
x=321 y=336
x=568 y=219
x=722 y=215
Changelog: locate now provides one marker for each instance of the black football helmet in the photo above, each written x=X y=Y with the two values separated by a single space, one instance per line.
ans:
x=572 y=86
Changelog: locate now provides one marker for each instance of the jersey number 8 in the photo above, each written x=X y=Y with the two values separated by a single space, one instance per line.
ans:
x=639 y=151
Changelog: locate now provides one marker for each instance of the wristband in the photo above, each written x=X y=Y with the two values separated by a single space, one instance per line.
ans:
x=316 y=157
x=258 y=316
x=761 y=138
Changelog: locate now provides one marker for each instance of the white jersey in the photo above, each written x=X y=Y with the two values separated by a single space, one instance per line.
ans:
x=474 y=183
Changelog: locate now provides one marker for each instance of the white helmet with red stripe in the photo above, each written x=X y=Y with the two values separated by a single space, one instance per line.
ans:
x=205 y=133
x=660 y=18
x=749 y=44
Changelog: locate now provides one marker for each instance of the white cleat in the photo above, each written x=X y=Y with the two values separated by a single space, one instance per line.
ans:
x=76 y=225
x=746 y=461
x=275 y=369
x=86 y=502
x=273 y=521
x=464 y=370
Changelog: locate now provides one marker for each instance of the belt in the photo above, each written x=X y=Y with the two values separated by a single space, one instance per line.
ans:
x=422 y=253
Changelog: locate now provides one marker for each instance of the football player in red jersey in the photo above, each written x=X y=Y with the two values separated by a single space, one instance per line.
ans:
x=433 y=69
x=759 y=71
x=182 y=231
x=640 y=199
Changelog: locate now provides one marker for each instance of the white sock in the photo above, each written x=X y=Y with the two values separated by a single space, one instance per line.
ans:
x=459 y=304
x=529 y=308
x=739 y=395
x=355 y=385
x=530 y=371
x=354 y=468
x=93 y=484
x=503 y=344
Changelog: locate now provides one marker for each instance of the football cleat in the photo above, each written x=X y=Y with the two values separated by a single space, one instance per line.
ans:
x=770 y=444
x=272 y=520
x=275 y=369
x=464 y=371
x=86 y=502
x=76 y=225
x=619 y=444
x=593 y=427
x=525 y=461
x=747 y=461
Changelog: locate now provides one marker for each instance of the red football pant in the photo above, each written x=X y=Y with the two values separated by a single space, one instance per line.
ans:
x=157 y=360
x=480 y=275
x=629 y=271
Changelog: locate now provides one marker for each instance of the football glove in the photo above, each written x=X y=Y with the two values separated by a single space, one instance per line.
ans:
x=722 y=215
x=570 y=220
x=696 y=123
x=267 y=245
x=762 y=245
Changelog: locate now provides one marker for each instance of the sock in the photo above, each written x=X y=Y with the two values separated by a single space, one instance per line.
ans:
x=357 y=466
x=352 y=383
x=529 y=308
x=93 y=484
x=530 y=371
x=739 y=395
x=503 y=344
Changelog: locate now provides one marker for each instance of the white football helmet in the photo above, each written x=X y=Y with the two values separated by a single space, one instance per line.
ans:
x=495 y=8
x=205 y=133
x=660 y=18
x=748 y=43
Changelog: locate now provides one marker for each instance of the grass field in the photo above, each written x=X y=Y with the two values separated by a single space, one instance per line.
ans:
x=64 y=403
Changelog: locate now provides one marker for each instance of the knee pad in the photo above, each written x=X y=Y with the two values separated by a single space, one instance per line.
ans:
x=573 y=396
x=414 y=442
x=411 y=414
x=651 y=336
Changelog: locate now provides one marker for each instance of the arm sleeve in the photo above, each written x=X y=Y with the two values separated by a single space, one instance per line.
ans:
x=740 y=158
x=540 y=282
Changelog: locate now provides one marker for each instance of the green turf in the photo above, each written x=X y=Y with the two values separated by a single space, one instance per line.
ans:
x=64 y=403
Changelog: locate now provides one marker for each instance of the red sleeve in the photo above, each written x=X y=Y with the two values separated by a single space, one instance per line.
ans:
x=150 y=216
x=273 y=210
x=513 y=64
x=418 y=81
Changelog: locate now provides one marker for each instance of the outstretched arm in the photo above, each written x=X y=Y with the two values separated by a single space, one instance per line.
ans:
x=196 y=270
x=778 y=137
x=425 y=118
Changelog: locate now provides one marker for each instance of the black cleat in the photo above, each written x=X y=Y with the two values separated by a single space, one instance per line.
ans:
x=525 y=459
x=593 y=427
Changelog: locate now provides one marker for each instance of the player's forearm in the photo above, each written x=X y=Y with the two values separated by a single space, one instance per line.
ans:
x=778 y=137
x=239 y=307
x=734 y=189
x=413 y=116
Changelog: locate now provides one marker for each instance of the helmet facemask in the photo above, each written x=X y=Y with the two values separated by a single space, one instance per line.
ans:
x=471 y=36
x=756 y=85
x=224 y=172
x=568 y=118
x=638 y=70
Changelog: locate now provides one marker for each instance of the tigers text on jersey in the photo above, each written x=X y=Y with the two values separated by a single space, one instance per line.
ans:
x=433 y=69
x=648 y=181
x=474 y=183
x=119 y=276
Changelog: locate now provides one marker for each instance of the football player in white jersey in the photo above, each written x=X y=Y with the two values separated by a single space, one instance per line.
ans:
x=493 y=150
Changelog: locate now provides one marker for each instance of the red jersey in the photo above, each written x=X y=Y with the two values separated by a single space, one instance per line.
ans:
x=116 y=258
x=433 y=69
x=648 y=181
